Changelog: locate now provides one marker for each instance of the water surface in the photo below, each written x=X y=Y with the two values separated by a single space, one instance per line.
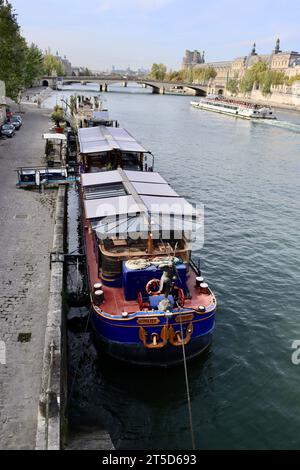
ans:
x=245 y=391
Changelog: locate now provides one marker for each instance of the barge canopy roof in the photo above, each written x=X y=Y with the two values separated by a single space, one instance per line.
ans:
x=101 y=115
x=118 y=203
x=54 y=136
x=104 y=139
x=114 y=176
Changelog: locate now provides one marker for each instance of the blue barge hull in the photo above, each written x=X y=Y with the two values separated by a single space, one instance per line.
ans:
x=121 y=339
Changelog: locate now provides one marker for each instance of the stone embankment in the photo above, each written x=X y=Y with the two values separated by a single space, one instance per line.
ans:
x=275 y=99
x=27 y=221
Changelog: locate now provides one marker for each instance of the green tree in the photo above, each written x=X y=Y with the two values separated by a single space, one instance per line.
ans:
x=12 y=51
x=51 y=64
x=33 y=65
x=261 y=77
x=73 y=104
x=58 y=115
x=233 y=86
x=293 y=79
x=175 y=76
x=20 y=65
x=266 y=83
x=246 y=84
x=203 y=74
x=158 y=71
x=253 y=77
x=85 y=72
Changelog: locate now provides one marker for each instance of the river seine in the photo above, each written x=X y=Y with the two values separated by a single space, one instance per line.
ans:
x=245 y=391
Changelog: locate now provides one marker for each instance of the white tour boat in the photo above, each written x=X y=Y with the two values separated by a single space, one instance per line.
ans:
x=235 y=108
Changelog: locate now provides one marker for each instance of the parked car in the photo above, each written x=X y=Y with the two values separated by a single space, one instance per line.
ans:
x=8 y=113
x=8 y=130
x=15 y=122
x=18 y=117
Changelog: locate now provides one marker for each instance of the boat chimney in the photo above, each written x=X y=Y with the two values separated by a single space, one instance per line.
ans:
x=150 y=243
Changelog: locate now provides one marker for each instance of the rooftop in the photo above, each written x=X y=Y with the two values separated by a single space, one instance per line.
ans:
x=129 y=199
x=104 y=139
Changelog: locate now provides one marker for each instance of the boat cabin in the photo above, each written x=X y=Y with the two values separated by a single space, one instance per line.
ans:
x=136 y=225
x=101 y=118
x=55 y=148
x=108 y=148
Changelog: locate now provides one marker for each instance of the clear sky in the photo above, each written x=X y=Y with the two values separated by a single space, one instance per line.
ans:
x=136 y=33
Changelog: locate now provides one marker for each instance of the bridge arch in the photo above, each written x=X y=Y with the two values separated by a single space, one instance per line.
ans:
x=198 y=91
x=220 y=91
x=45 y=83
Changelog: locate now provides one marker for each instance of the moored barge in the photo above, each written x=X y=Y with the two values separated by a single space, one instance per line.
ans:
x=148 y=299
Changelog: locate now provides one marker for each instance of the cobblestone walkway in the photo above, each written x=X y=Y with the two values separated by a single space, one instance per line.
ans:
x=26 y=219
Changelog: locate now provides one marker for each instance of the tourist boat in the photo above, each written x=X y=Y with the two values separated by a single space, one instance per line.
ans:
x=148 y=299
x=101 y=118
x=235 y=108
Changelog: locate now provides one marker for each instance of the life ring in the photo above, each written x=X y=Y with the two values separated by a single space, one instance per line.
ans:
x=151 y=285
x=179 y=296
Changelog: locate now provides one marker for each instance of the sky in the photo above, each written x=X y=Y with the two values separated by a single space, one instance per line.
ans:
x=101 y=33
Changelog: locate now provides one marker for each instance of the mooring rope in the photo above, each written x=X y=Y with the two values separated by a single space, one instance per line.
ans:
x=187 y=389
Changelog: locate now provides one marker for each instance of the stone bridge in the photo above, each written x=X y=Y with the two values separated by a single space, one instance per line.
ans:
x=158 y=87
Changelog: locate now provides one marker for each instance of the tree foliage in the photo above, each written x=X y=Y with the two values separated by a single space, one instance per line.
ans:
x=253 y=76
x=199 y=74
x=85 y=72
x=175 y=76
x=33 y=65
x=52 y=66
x=203 y=74
x=233 y=86
x=58 y=115
x=158 y=71
x=18 y=62
x=295 y=78
x=259 y=76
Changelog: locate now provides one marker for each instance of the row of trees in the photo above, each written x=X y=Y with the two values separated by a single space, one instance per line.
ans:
x=259 y=77
x=51 y=64
x=203 y=74
x=20 y=64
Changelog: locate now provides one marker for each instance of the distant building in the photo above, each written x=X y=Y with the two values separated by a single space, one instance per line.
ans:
x=287 y=62
x=65 y=63
x=75 y=71
x=192 y=59
x=129 y=72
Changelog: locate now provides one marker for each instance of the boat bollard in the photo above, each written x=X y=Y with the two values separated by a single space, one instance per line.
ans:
x=204 y=288
x=199 y=280
x=201 y=309
x=98 y=297
x=97 y=286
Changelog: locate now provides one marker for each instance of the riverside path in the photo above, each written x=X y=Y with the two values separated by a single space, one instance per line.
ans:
x=27 y=220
